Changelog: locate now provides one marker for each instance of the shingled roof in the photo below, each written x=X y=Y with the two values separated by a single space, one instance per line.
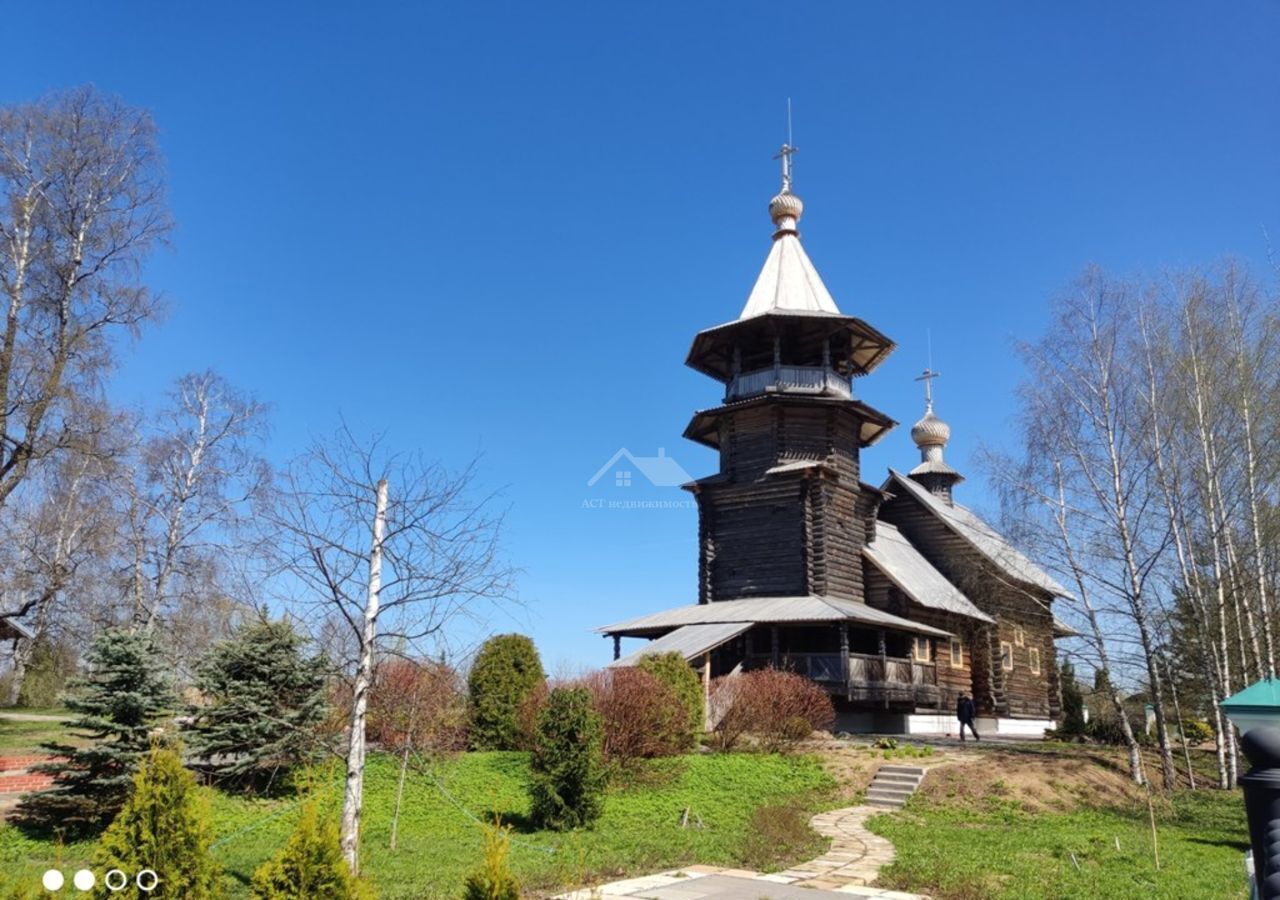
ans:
x=902 y=564
x=981 y=536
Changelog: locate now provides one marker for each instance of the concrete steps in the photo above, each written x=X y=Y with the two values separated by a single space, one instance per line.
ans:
x=893 y=785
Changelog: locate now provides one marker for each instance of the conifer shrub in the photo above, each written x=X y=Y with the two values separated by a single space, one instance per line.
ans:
x=164 y=827
x=117 y=705
x=673 y=671
x=505 y=671
x=310 y=866
x=493 y=880
x=263 y=701
x=639 y=714
x=567 y=777
x=1073 y=722
x=777 y=708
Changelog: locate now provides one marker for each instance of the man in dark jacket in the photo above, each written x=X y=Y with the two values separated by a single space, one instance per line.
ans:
x=965 y=713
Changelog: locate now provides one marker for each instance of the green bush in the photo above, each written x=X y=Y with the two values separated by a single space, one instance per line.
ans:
x=1107 y=730
x=567 y=776
x=52 y=665
x=117 y=705
x=672 y=670
x=164 y=826
x=493 y=880
x=505 y=672
x=1196 y=731
x=310 y=866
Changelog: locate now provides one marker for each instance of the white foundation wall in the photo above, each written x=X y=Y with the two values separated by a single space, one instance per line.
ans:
x=938 y=724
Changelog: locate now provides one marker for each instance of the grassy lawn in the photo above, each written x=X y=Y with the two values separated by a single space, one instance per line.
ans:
x=439 y=841
x=17 y=738
x=1000 y=848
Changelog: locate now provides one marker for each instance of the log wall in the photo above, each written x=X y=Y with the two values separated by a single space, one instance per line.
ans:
x=1019 y=692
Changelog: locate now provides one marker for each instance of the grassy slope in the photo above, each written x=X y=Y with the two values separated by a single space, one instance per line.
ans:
x=439 y=843
x=992 y=832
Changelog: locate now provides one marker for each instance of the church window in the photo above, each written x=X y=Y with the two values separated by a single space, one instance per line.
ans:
x=1006 y=656
x=923 y=649
x=1035 y=661
x=957 y=653
x=1018 y=637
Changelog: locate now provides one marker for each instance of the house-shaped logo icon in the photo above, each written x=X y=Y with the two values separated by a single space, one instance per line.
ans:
x=660 y=470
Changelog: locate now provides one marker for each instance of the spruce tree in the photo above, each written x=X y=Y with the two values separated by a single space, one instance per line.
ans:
x=117 y=706
x=506 y=670
x=264 y=700
x=310 y=866
x=164 y=827
x=567 y=776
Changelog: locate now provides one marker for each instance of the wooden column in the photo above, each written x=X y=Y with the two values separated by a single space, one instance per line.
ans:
x=617 y=647
x=844 y=660
x=706 y=689
x=884 y=667
x=776 y=650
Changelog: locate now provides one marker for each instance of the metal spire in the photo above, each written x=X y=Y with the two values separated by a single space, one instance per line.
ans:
x=785 y=154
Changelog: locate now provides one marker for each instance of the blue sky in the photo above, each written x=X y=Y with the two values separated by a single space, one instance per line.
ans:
x=495 y=228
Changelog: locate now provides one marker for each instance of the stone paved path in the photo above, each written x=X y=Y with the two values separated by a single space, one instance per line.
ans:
x=846 y=870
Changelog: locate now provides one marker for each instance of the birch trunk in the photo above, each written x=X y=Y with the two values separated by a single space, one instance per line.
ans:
x=1099 y=639
x=353 y=793
x=1188 y=567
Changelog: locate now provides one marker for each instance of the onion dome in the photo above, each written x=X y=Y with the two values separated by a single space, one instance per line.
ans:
x=930 y=431
x=785 y=209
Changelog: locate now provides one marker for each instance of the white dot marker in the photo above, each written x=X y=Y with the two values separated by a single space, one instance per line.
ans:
x=52 y=880
x=84 y=880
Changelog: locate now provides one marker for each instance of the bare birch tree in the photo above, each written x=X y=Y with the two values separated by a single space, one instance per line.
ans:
x=1082 y=395
x=81 y=206
x=398 y=549
x=199 y=476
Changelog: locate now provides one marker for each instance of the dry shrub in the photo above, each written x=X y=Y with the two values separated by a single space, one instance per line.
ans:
x=417 y=705
x=780 y=835
x=777 y=708
x=527 y=714
x=643 y=718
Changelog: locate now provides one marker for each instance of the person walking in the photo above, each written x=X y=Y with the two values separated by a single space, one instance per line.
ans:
x=966 y=713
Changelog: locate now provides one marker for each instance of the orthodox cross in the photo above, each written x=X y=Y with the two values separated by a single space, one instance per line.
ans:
x=927 y=377
x=785 y=155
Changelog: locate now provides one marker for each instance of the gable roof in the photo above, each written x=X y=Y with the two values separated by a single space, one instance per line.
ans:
x=983 y=538
x=689 y=641
x=762 y=610
x=902 y=564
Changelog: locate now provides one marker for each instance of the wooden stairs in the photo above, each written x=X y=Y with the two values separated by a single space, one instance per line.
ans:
x=893 y=785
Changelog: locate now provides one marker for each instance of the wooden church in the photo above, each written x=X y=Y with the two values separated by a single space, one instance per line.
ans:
x=896 y=599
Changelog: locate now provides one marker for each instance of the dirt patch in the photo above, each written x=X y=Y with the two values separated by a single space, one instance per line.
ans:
x=851 y=767
x=1038 y=781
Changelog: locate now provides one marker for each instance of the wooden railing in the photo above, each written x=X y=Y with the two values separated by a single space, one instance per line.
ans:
x=793 y=379
x=867 y=668
x=864 y=668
